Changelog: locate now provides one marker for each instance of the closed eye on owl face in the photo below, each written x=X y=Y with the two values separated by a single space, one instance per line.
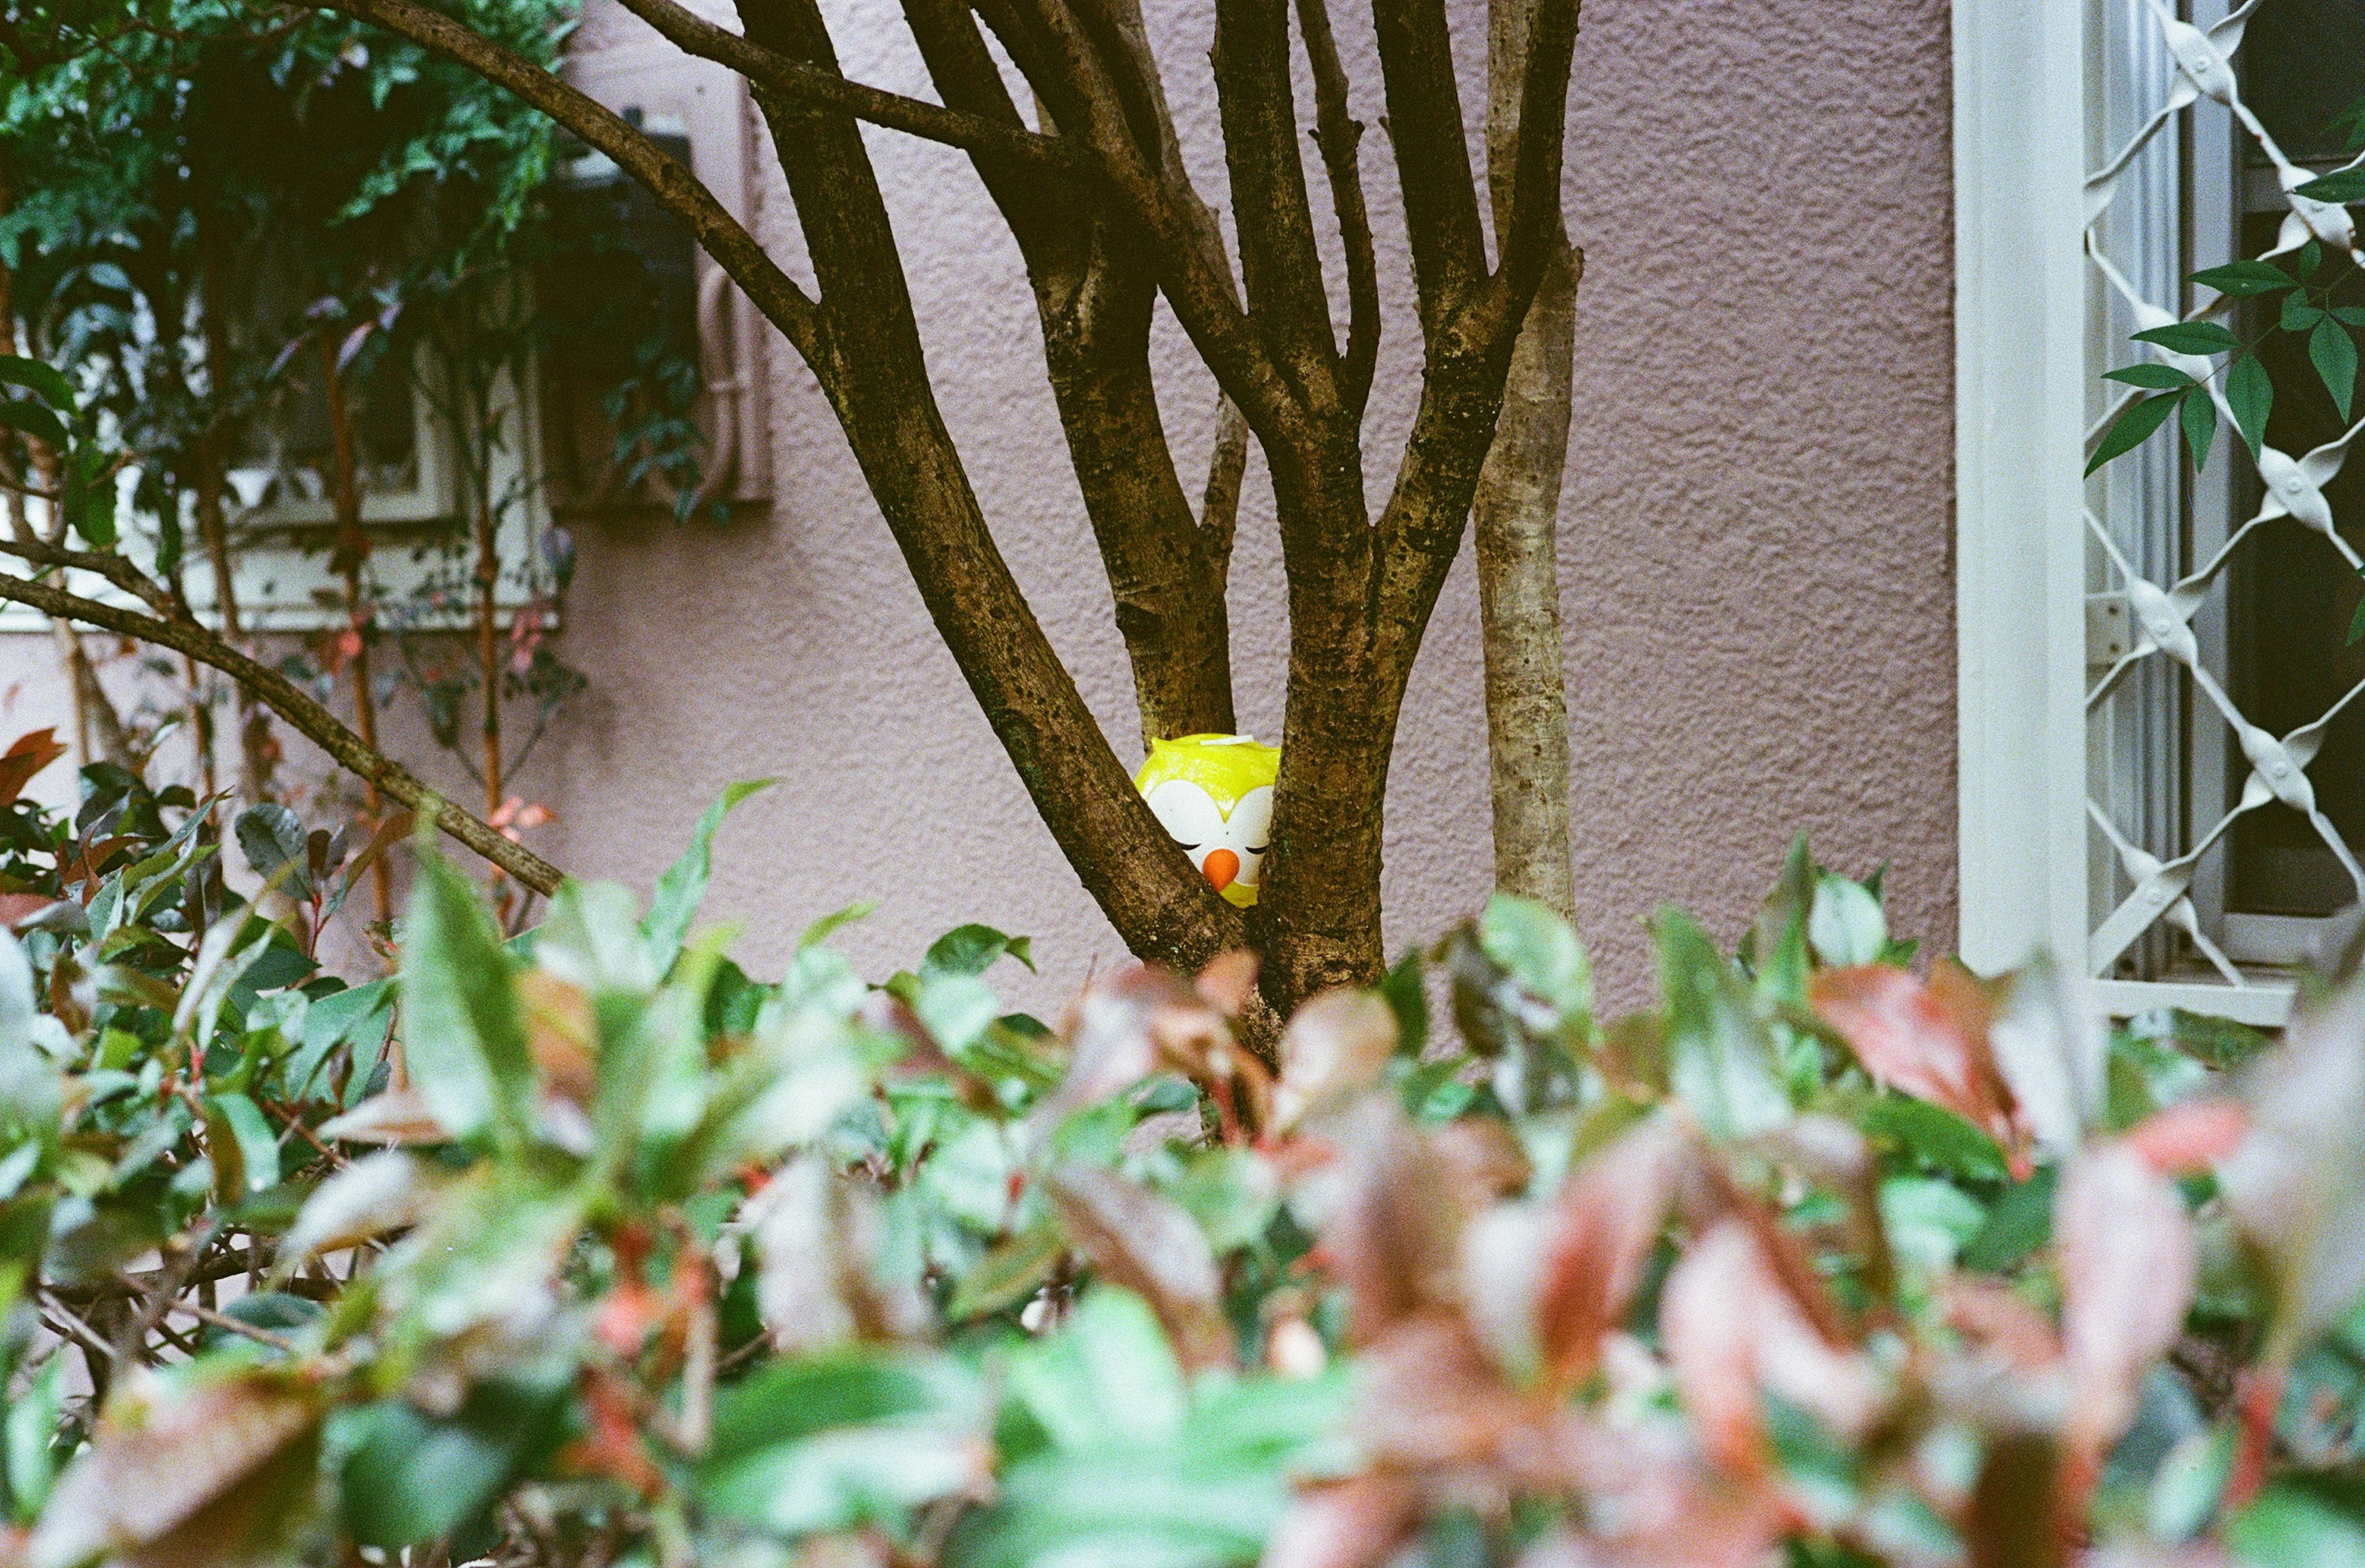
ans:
x=1227 y=846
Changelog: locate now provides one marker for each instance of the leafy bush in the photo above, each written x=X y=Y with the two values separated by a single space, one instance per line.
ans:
x=645 y=1261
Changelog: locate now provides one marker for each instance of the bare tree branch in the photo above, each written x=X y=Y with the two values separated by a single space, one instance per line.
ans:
x=1068 y=70
x=106 y=564
x=1440 y=199
x=1338 y=135
x=773 y=291
x=1227 y=466
x=308 y=717
x=695 y=34
x=1280 y=265
x=1533 y=231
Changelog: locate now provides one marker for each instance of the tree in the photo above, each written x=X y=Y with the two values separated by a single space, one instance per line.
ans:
x=1107 y=221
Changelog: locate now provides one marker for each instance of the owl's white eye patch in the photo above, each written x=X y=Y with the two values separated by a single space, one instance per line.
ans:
x=1249 y=830
x=1189 y=813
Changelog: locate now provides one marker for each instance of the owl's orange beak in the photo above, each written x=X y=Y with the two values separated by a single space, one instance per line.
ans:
x=1221 y=867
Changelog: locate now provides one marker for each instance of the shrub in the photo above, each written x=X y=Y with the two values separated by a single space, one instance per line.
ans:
x=649 y=1261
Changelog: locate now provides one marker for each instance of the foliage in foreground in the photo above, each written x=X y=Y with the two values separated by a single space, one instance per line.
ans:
x=1818 y=1263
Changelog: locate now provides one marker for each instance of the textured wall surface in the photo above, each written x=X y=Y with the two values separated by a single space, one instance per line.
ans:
x=1755 y=545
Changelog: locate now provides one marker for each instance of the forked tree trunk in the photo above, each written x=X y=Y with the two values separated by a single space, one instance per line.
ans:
x=1517 y=513
x=1104 y=210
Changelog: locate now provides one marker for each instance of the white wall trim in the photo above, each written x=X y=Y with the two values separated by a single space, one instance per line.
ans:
x=2020 y=398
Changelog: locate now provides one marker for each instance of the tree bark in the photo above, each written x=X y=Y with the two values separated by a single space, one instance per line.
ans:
x=353 y=549
x=212 y=485
x=1518 y=512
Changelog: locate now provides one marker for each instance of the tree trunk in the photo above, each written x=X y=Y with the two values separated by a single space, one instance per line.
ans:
x=212 y=490
x=1518 y=512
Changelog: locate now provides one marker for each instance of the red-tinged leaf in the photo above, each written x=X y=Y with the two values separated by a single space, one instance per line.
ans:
x=1433 y=1399
x=1392 y=1234
x=1733 y=1329
x=2014 y=1521
x=1601 y=1231
x=2048 y=1045
x=25 y=757
x=191 y=1474
x=397 y=1116
x=1994 y=1322
x=821 y=1250
x=1138 y=1022
x=1228 y=981
x=1926 y=1040
x=2186 y=1140
x=18 y=908
x=2128 y=1262
x=2296 y=1184
x=1349 y=1524
x=1136 y=1239
x=1335 y=1046
x=1654 y=1504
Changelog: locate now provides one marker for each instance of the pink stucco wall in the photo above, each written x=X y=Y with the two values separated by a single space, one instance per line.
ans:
x=1755 y=544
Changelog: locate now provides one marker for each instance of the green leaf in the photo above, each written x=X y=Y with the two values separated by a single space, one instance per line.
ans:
x=272 y=836
x=1540 y=951
x=1935 y=1138
x=2021 y=1222
x=2191 y=337
x=1720 y=1058
x=2334 y=354
x=2160 y=377
x=2200 y=418
x=1845 y=923
x=820 y=930
x=832 y=1441
x=244 y=1149
x=24 y=414
x=31 y=1447
x=972 y=950
x=2293 y=1526
x=44 y=381
x=2298 y=314
x=1107 y=1379
x=2349 y=315
x=2245 y=279
x=2343 y=187
x=2251 y=394
x=411 y=1477
x=2131 y=429
x=462 y=1032
x=683 y=887
x=1009 y=1273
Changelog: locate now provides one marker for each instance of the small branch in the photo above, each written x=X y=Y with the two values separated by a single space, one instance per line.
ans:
x=74 y=1329
x=1337 y=134
x=105 y=564
x=315 y=723
x=695 y=34
x=1535 y=231
x=1219 y=511
x=676 y=189
x=222 y=1320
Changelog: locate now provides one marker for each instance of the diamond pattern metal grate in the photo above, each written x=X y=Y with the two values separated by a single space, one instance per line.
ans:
x=2196 y=66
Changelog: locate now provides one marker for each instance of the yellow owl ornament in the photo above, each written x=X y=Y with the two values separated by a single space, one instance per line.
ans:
x=1214 y=793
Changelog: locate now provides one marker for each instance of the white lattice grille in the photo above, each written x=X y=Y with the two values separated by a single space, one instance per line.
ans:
x=2161 y=88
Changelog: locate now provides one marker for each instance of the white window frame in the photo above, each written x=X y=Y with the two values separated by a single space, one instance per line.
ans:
x=2027 y=344
x=2019 y=415
x=280 y=554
